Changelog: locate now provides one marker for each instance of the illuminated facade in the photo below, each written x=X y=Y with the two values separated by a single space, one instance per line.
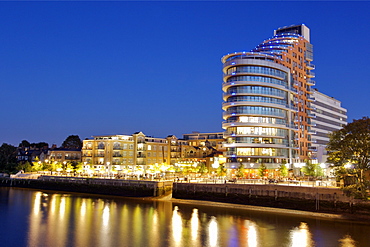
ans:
x=330 y=116
x=138 y=152
x=116 y=152
x=267 y=101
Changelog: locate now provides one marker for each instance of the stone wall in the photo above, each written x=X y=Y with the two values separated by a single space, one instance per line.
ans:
x=331 y=200
x=120 y=187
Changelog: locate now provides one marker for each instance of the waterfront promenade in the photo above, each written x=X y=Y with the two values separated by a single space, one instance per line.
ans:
x=314 y=196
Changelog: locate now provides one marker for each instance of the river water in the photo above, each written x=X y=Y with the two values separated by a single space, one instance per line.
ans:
x=45 y=218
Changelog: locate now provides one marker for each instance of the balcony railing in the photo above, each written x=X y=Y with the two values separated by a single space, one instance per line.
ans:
x=310 y=74
x=72 y=158
x=117 y=148
x=311 y=82
x=310 y=66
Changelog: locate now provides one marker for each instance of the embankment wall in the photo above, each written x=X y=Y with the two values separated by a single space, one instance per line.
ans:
x=118 y=187
x=316 y=199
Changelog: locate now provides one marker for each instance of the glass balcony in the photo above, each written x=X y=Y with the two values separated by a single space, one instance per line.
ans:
x=310 y=74
x=310 y=66
x=311 y=82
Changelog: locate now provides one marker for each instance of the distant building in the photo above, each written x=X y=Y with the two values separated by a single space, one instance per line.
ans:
x=330 y=116
x=31 y=154
x=64 y=155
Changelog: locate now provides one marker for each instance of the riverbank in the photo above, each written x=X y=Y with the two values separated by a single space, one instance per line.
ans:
x=317 y=202
x=309 y=214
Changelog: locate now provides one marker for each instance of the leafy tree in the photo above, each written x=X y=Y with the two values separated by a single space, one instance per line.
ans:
x=312 y=170
x=24 y=144
x=262 y=170
x=221 y=170
x=26 y=167
x=37 y=165
x=69 y=167
x=79 y=167
x=283 y=170
x=40 y=145
x=8 y=160
x=240 y=171
x=72 y=142
x=351 y=145
x=202 y=168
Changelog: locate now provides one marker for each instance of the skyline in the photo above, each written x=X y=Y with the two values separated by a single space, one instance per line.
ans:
x=79 y=68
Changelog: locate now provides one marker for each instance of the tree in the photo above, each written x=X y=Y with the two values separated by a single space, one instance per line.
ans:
x=8 y=160
x=24 y=144
x=72 y=142
x=240 y=171
x=26 y=167
x=312 y=170
x=283 y=170
x=37 y=165
x=202 y=168
x=351 y=146
x=221 y=170
x=40 y=145
x=262 y=170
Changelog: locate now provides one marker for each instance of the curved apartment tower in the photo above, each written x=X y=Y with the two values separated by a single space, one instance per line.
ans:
x=258 y=110
x=267 y=101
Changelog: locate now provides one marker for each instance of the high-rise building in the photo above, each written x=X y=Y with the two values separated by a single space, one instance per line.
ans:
x=267 y=101
x=330 y=116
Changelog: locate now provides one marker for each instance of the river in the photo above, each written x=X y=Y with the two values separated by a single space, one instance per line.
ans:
x=49 y=218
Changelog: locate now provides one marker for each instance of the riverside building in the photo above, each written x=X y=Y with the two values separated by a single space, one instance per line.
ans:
x=138 y=153
x=330 y=116
x=267 y=101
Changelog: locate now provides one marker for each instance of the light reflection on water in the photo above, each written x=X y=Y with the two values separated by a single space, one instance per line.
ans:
x=57 y=219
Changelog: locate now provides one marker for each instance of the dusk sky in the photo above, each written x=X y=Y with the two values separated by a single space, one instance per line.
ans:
x=96 y=68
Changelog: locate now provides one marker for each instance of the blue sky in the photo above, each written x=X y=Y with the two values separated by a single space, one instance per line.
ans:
x=95 y=68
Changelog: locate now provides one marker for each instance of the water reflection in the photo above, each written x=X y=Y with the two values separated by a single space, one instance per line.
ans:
x=301 y=236
x=213 y=232
x=347 y=241
x=55 y=219
x=251 y=233
x=176 y=226
x=194 y=225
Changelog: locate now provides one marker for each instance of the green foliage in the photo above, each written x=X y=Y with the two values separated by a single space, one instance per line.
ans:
x=26 y=167
x=72 y=142
x=202 y=168
x=8 y=158
x=262 y=170
x=312 y=170
x=283 y=170
x=240 y=171
x=79 y=167
x=24 y=144
x=37 y=166
x=351 y=145
x=221 y=170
